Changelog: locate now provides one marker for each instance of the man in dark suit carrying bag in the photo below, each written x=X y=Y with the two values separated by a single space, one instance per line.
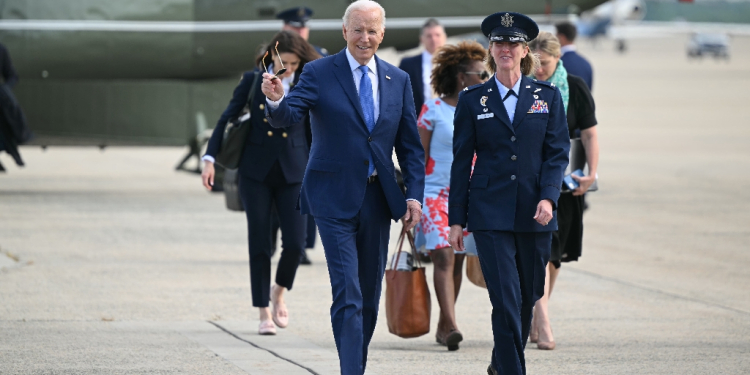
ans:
x=361 y=108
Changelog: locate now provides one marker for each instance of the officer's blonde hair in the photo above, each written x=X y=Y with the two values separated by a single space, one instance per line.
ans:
x=364 y=6
x=546 y=42
x=529 y=64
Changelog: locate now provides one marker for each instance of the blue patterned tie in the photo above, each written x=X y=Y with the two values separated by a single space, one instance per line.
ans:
x=368 y=108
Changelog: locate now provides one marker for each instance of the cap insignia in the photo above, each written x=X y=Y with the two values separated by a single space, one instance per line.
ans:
x=507 y=20
x=301 y=12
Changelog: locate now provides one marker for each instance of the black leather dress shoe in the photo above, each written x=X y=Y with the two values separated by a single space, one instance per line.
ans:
x=303 y=259
x=491 y=371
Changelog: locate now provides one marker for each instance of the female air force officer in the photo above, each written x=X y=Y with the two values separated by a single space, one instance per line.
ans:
x=517 y=128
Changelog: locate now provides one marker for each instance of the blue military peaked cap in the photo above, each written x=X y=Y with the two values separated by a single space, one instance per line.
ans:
x=296 y=17
x=509 y=27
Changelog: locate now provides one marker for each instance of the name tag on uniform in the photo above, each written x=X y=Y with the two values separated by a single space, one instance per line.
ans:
x=484 y=116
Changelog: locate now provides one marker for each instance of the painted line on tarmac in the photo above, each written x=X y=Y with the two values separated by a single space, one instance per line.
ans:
x=262 y=348
x=659 y=291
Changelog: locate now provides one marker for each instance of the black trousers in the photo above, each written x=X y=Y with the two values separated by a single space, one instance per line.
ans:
x=258 y=199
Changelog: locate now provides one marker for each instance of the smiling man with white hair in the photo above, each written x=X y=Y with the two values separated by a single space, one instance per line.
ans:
x=360 y=108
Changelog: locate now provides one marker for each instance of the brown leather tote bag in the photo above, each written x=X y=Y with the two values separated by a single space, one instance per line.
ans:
x=407 y=298
x=474 y=272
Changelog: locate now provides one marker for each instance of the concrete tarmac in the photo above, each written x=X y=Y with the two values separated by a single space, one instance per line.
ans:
x=114 y=263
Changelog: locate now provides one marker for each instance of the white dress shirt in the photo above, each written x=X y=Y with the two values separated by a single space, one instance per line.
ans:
x=426 y=72
x=510 y=103
x=372 y=71
x=566 y=49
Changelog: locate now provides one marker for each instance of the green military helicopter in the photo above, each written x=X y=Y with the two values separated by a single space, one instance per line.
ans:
x=159 y=72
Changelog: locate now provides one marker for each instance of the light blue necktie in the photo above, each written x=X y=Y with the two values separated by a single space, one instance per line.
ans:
x=368 y=108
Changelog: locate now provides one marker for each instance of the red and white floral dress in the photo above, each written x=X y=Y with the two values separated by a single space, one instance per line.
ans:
x=432 y=231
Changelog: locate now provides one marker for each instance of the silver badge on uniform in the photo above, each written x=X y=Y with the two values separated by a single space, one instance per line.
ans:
x=507 y=20
x=536 y=96
x=484 y=116
x=483 y=101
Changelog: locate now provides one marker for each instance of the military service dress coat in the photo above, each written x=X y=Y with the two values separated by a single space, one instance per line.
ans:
x=518 y=164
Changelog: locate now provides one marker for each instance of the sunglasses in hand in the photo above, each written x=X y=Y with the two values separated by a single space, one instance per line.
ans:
x=283 y=69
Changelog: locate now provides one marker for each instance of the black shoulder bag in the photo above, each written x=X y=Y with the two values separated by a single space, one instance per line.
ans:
x=236 y=132
x=232 y=143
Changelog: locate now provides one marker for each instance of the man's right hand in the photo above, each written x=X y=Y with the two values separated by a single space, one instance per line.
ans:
x=456 y=237
x=208 y=175
x=272 y=87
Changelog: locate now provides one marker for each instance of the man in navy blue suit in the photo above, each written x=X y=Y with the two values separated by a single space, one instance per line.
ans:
x=574 y=63
x=419 y=67
x=361 y=108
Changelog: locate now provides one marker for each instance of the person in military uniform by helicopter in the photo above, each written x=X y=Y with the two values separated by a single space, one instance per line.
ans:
x=295 y=19
x=518 y=130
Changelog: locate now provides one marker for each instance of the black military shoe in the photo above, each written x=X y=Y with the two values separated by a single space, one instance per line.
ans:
x=491 y=371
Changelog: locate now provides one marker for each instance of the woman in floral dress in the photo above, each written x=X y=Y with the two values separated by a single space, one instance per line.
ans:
x=456 y=67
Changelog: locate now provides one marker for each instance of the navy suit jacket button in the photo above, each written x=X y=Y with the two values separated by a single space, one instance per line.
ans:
x=513 y=138
x=513 y=177
x=369 y=139
x=367 y=162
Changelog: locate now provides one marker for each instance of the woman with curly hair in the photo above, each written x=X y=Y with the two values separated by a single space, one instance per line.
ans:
x=456 y=67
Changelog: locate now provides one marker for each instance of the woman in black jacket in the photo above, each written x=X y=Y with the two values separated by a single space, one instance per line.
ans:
x=567 y=240
x=271 y=169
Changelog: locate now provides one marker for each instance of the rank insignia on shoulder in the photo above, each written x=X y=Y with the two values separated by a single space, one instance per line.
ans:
x=545 y=83
x=466 y=89
x=539 y=106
